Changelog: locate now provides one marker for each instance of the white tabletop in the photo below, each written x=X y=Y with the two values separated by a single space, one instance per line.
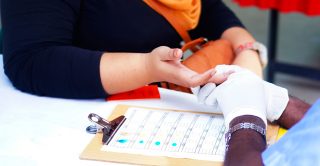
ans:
x=51 y=131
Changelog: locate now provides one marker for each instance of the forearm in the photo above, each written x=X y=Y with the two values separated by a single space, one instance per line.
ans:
x=246 y=145
x=293 y=113
x=248 y=58
x=123 y=72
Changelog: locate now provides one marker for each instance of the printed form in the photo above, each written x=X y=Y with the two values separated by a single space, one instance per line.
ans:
x=172 y=134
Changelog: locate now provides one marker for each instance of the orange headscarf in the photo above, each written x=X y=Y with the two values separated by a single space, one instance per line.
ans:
x=186 y=10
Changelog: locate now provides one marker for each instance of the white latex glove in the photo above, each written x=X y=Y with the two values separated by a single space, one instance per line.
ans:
x=203 y=92
x=277 y=97
x=241 y=94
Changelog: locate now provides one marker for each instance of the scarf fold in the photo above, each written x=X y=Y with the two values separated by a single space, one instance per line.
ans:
x=188 y=11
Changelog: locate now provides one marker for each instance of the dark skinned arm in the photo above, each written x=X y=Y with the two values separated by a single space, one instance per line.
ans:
x=293 y=113
x=246 y=146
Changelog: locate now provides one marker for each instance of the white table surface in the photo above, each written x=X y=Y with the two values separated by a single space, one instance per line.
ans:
x=51 y=131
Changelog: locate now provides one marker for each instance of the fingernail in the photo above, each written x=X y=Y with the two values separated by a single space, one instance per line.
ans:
x=177 y=52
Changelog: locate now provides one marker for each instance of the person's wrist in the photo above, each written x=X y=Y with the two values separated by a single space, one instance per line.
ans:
x=249 y=59
x=257 y=47
x=151 y=75
x=251 y=52
x=247 y=118
x=239 y=112
x=246 y=124
x=293 y=113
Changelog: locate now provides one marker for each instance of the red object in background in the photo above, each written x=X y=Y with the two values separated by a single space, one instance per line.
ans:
x=307 y=7
x=146 y=92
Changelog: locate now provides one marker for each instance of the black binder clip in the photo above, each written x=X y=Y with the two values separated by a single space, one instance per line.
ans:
x=108 y=128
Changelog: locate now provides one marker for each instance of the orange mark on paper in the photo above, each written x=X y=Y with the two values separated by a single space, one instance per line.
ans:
x=146 y=92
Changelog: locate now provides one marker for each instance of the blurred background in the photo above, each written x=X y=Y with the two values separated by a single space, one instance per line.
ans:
x=298 y=43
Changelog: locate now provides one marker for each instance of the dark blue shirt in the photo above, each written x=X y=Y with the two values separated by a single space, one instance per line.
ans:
x=53 y=47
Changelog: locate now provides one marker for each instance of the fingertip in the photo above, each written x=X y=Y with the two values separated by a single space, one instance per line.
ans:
x=208 y=75
x=218 y=79
x=203 y=78
x=177 y=53
x=165 y=53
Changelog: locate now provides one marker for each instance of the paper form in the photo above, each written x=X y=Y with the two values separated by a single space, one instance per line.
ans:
x=172 y=134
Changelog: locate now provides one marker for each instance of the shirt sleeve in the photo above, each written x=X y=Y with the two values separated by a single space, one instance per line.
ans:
x=300 y=145
x=40 y=55
x=215 y=18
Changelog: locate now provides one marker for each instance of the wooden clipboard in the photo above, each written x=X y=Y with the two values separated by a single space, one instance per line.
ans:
x=93 y=152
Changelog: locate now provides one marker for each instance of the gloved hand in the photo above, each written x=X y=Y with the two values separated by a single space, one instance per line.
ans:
x=203 y=92
x=276 y=97
x=241 y=94
x=163 y=64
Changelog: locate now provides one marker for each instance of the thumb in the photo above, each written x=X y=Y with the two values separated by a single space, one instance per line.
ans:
x=205 y=91
x=212 y=98
x=171 y=54
x=219 y=78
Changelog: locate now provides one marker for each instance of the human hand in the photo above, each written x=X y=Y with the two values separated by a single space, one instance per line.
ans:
x=163 y=64
x=241 y=94
x=203 y=92
x=276 y=97
x=221 y=75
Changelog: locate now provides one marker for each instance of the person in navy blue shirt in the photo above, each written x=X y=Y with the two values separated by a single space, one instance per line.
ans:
x=90 y=49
